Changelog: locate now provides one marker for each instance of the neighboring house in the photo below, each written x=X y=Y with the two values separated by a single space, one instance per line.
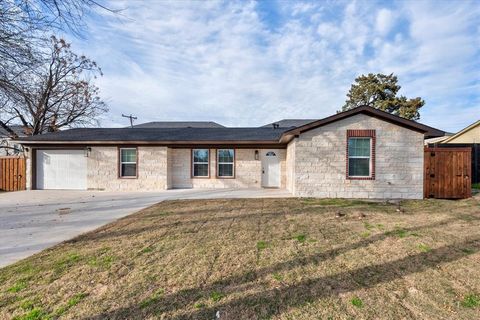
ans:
x=468 y=137
x=470 y=134
x=289 y=123
x=436 y=140
x=179 y=124
x=360 y=153
x=7 y=146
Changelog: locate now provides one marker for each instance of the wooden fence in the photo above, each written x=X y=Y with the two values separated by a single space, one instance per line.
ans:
x=475 y=156
x=12 y=173
x=448 y=173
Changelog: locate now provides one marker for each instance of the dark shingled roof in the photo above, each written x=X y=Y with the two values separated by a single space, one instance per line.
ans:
x=214 y=135
x=179 y=124
x=160 y=135
x=289 y=123
x=428 y=131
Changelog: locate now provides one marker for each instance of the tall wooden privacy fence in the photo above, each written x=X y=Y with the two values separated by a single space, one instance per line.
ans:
x=448 y=173
x=475 y=156
x=12 y=174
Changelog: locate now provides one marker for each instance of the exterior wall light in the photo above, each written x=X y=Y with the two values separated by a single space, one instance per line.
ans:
x=256 y=155
x=86 y=151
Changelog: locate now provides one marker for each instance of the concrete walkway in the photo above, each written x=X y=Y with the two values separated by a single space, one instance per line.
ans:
x=31 y=221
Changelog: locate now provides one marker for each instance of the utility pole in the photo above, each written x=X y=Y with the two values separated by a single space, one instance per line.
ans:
x=131 y=119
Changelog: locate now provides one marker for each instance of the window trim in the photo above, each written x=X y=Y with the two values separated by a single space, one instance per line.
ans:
x=120 y=162
x=234 y=163
x=192 y=163
x=367 y=133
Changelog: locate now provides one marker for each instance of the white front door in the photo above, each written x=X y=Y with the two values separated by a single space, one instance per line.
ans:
x=270 y=169
x=61 y=169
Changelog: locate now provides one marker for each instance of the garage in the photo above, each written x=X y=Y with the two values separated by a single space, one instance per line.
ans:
x=61 y=169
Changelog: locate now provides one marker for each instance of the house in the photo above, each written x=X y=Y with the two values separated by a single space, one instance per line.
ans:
x=289 y=123
x=7 y=146
x=468 y=137
x=360 y=153
x=436 y=140
x=470 y=134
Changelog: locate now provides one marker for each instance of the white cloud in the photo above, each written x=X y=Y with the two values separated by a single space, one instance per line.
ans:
x=224 y=61
x=384 y=21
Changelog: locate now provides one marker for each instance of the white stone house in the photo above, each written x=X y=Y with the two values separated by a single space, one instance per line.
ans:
x=361 y=153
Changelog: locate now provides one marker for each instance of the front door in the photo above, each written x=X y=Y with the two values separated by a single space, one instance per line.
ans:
x=270 y=169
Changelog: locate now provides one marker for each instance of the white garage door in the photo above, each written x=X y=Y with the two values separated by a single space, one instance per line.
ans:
x=61 y=169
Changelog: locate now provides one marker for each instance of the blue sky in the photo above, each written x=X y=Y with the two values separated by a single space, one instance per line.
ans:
x=249 y=63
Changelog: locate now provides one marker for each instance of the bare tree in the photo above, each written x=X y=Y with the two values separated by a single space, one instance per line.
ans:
x=55 y=94
x=25 y=26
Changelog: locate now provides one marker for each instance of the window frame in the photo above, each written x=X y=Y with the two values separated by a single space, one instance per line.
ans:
x=192 y=164
x=232 y=163
x=120 y=162
x=369 y=157
x=367 y=133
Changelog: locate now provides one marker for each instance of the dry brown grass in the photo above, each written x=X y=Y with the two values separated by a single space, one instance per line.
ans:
x=260 y=259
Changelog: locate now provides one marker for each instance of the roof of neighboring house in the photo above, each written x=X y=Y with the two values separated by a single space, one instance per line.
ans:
x=160 y=135
x=220 y=135
x=436 y=139
x=18 y=129
x=179 y=124
x=289 y=123
x=464 y=130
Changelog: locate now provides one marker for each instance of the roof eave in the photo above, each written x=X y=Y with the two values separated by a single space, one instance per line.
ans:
x=464 y=130
x=370 y=111
x=166 y=143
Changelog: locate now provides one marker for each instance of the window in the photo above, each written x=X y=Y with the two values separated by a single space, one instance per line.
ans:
x=200 y=159
x=225 y=163
x=128 y=162
x=359 y=156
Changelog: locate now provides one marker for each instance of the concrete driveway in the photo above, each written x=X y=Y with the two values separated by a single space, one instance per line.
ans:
x=31 y=221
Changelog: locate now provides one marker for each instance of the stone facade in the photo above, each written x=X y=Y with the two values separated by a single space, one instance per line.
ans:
x=290 y=167
x=102 y=170
x=312 y=165
x=318 y=165
x=161 y=168
x=248 y=171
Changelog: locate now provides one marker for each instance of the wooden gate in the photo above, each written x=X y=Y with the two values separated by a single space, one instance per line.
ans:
x=447 y=173
x=12 y=173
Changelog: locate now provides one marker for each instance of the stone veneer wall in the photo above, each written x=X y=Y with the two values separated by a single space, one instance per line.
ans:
x=102 y=170
x=248 y=171
x=320 y=161
x=290 y=167
x=28 y=169
x=169 y=168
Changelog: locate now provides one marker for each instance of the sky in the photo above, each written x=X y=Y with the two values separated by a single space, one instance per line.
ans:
x=248 y=63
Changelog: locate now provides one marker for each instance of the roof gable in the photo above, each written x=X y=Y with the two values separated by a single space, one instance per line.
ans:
x=461 y=132
x=409 y=124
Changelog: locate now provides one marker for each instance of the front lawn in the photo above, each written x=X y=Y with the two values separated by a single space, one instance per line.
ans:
x=260 y=259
